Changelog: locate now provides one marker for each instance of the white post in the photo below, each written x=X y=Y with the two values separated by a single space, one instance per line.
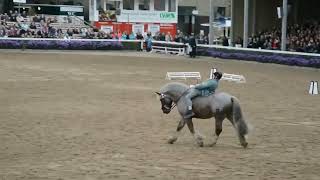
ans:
x=104 y=4
x=151 y=5
x=284 y=25
x=177 y=5
x=253 y=25
x=136 y=5
x=167 y=5
x=92 y=10
x=211 y=23
x=245 y=23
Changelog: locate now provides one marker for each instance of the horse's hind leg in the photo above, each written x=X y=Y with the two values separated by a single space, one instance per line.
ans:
x=219 y=120
x=174 y=138
x=197 y=136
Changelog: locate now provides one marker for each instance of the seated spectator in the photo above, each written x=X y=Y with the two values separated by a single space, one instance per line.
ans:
x=13 y=16
x=36 y=18
x=33 y=26
x=70 y=33
x=42 y=18
x=168 y=37
x=19 y=18
x=124 y=36
x=239 y=42
x=139 y=36
x=162 y=37
x=24 y=14
x=132 y=36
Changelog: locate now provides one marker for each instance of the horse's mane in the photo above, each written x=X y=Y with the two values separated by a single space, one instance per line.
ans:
x=174 y=86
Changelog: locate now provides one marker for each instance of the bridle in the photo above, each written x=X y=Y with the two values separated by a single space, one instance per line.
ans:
x=164 y=104
x=171 y=107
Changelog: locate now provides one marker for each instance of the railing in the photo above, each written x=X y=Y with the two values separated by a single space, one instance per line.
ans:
x=84 y=22
x=258 y=50
x=70 y=44
x=169 y=47
x=260 y=55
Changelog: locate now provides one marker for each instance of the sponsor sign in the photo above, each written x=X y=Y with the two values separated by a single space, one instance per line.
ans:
x=148 y=16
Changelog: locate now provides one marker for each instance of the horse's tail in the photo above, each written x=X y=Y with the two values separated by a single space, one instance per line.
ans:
x=239 y=122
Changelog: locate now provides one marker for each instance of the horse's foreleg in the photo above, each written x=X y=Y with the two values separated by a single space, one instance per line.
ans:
x=219 y=121
x=197 y=136
x=174 y=137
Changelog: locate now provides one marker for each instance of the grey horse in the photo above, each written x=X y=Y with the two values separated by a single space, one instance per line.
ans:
x=219 y=105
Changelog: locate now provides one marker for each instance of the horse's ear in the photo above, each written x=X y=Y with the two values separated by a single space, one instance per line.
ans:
x=158 y=93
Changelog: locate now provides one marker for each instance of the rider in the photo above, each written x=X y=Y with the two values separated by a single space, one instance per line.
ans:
x=206 y=88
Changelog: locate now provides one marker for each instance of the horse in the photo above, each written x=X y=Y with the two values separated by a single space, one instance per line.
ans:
x=219 y=105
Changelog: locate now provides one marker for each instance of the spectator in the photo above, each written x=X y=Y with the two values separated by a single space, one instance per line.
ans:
x=168 y=37
x=225 y=41
x=193 y=45
x=139 y=37
x=148 y=42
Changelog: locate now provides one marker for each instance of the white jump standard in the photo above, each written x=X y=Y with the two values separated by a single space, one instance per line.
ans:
x=183 y=75
x=313 y=89
x=229 y=77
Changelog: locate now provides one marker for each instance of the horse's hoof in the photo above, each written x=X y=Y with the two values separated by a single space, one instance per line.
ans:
x=172 y=140
x=212 y=144
x=244 y=145
x=201 y=144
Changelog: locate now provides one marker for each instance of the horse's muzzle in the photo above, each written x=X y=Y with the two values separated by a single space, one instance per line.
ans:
x=166 y=109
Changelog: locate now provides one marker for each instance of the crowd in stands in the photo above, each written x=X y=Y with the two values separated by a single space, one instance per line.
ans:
x=14 y=24
x=300 y=38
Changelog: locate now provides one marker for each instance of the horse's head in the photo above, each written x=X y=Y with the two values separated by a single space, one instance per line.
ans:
x=169 y=94
x=166 y=102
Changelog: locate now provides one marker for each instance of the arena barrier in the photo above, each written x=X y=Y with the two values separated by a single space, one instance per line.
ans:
x=70 y=44
x=168 y=48
x=261 y=55
x=90 y=44
x=258 y=55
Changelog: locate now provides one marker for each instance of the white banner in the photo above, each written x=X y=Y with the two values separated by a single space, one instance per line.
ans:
x=71 y=9
x=107 y=29
x=138 y=28
x=153 y=28
x=19 y=1
x=148 y=16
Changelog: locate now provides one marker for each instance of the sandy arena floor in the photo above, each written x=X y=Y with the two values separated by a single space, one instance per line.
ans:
x=94 y=115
